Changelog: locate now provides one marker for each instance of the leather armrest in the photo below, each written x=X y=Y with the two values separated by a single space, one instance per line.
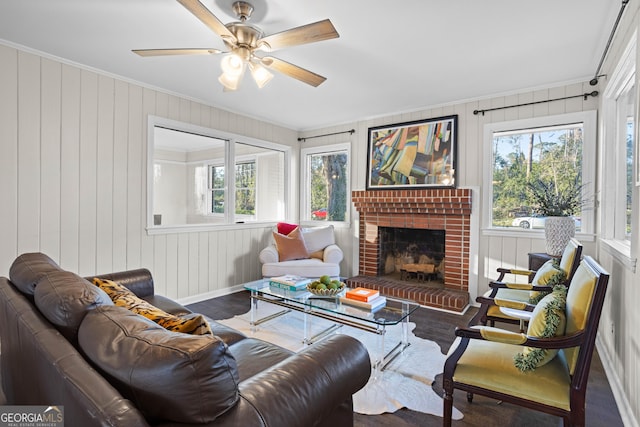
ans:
x=269 y=255
x=332 y=254
x=310 y=385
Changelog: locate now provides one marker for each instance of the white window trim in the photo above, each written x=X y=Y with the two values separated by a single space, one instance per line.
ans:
x=231 y=139
x=589 y=120
x=618 y=247
x=305 y=200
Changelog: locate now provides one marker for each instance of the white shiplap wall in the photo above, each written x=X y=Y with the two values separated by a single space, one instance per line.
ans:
x=73 y=178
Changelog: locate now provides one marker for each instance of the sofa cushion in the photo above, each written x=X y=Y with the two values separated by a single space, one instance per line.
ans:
x=318 y=238
x=311 y=267
x=547 y=320
x=191 y=323
x=64 y=298
x=178 y=377
x=28 y=269
x=291 y=246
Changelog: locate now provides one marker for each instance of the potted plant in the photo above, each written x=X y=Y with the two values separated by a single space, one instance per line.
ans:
x=558 y=205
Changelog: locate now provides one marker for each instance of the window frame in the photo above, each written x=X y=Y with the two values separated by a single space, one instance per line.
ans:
x=305 y=196
x=231 y=220
x=623 y=82
x=589 y=120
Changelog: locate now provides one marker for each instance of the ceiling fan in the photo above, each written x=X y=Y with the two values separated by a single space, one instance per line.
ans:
x=244 y=41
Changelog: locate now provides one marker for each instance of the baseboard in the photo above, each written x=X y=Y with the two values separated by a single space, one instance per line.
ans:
x=624 y=407
x=208 y=295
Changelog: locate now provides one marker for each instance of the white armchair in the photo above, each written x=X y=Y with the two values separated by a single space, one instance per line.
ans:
x=307 y=252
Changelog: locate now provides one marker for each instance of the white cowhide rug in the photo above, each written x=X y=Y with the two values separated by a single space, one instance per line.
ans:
x=405 y=383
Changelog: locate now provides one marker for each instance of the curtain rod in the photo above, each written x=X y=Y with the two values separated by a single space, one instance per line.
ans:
x=585 y=95
x=350 y=132
x=594 y=80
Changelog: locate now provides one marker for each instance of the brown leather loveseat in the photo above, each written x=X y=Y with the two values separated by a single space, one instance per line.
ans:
x=64 y=343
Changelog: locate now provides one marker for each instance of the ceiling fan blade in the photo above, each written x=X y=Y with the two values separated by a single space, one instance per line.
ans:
x=166 y=52
x=310 y=33
x=208 y=18
x=294 y=71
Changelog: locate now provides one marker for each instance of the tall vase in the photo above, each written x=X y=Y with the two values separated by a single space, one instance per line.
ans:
x=558 y=230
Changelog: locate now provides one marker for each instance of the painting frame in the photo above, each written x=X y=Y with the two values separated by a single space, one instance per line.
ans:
x=413 y=155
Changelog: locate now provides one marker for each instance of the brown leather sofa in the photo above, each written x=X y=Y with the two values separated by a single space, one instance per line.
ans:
x=65 y=343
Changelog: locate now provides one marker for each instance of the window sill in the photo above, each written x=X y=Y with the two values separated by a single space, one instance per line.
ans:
x=196 y=228
x=620 y=251
x=531 y=234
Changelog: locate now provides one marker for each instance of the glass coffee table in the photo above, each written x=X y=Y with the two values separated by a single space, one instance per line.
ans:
x=396 y=311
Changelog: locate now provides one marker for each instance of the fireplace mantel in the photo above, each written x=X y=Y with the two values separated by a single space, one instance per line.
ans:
x=446 y=209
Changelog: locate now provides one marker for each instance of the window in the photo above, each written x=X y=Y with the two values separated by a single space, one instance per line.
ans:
x=189 y=186
x=245 y=189
x=217 y=189
x=619 y=111
x=557 y=150
x=325 y=177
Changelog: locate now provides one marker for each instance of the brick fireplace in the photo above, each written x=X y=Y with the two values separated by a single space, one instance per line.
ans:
x=428 y=209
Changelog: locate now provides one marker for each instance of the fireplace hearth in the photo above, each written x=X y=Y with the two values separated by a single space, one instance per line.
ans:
x=437 y=213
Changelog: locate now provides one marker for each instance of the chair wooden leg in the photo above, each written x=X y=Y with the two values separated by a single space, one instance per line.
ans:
x=469 y=397
x=447 y=411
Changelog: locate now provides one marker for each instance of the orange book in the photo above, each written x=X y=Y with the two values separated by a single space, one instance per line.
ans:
x=362 y=294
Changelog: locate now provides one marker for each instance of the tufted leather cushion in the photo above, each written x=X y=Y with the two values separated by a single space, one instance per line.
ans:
x=64 y=298
x=28 y=269
x=178 y=377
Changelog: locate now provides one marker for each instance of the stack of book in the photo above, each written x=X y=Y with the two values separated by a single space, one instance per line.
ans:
x=369 y=299
x=289 y=282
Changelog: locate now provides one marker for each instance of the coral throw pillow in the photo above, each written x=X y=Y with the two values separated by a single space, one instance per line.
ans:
x=290 y=246
x=285 y=229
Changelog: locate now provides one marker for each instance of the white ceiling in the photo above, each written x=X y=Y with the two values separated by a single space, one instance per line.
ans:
x=391 y=56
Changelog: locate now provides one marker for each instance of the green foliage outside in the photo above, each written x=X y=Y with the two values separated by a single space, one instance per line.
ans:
x=552 y=157
x=246 y=188
x=329 y=185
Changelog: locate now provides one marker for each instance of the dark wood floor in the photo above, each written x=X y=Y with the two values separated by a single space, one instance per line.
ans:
x=439 y=326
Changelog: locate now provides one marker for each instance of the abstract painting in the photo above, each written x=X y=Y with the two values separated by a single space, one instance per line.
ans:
x=414 y=154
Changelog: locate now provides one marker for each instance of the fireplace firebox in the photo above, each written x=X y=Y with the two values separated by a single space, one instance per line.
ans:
x=411 y=254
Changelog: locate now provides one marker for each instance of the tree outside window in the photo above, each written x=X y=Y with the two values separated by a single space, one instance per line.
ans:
x=552 y=154
x=327 y=181
x=217 y=189
x=246 y=188
x=245 y=182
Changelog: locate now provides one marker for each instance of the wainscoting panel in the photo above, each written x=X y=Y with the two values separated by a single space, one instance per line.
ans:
x=73 y=167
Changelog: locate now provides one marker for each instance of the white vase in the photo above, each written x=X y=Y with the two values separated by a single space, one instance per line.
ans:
x=558 y=230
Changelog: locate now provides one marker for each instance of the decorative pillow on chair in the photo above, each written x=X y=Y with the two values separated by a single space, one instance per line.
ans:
x=285 y=228
x=547 y=320
x=291 y=246
x=549 y=274
x=194 y=324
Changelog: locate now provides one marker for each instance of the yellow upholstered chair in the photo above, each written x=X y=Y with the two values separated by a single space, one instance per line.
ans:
x=545 y=369
x=524 y=296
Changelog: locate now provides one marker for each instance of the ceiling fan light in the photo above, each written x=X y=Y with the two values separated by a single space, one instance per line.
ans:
x=260 y=74
x=229 y=81
x=232 y=64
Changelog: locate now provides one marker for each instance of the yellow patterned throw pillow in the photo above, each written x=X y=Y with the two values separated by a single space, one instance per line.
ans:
x=547 y=320
x=194 y=324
